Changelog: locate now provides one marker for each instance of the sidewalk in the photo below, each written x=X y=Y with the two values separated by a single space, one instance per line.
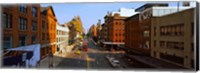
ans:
x=44 y=63
x=57 y=58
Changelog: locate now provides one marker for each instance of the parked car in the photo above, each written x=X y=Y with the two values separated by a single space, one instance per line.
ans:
x=107 y=56
x=115 y=63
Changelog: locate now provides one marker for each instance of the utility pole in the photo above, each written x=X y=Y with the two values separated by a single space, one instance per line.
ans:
x=178 y=6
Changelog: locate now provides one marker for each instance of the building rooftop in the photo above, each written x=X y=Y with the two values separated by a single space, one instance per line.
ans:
x=149 y=5
x=160 y=11
x=124 y=12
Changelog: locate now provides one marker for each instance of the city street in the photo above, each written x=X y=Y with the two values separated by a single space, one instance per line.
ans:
x=123 y=36
x=94 y=58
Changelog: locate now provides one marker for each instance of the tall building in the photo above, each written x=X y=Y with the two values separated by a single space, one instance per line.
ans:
x=139 y=26
x=172 y=38
x=114 y=22
x=35 y=25
x=133 y=33
x=21 y=32
x=99 y=28
x=27 y=20
x=116 y=28
x=62 y=36
x=103 y=32
x=93 y=32
x=48 y=31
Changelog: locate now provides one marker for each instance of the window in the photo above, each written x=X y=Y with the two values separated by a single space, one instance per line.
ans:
x=119 y=34
x=22 y=40
x=154 y=43
x=43 y=24
x=192 y=63
x=34 y=25
x=43 y=36
x=7 y=42
x=116 y=23
x=7 y=6
x=34 y=11
x=146 y=45
x=34 y=39
x=47 y=25
x=192 y=28
x=23 y=8
x=175 y=30
x=154 y=31
x=22 y=22
x=154 y=54
x=192 y=47
x=146 y=33
x=175 y=45
x=162 y=43
x=7 y=20
x=47 y=36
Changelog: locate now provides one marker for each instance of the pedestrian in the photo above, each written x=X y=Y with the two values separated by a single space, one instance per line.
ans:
x=50 y=59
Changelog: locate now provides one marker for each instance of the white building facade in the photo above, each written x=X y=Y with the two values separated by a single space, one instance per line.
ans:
x=62 y=35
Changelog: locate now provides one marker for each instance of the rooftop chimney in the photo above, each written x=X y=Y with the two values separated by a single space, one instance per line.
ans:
x=186 y=3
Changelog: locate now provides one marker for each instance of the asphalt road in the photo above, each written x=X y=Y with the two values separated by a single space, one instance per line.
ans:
x=94 y=58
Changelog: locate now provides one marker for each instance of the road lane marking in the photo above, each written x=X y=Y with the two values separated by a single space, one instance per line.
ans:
x=87 y=59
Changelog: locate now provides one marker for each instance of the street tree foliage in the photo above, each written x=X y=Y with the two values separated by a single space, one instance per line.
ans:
x=77 y=23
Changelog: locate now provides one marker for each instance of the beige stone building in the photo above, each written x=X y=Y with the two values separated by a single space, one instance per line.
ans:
x=172 y=38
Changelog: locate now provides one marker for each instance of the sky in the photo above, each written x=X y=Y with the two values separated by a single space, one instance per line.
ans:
x=90 y=13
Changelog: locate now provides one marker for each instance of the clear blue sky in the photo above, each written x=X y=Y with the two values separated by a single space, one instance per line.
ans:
x=89 y=12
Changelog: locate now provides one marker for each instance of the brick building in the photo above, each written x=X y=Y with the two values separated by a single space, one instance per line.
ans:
x=133 y=33
x=116 y=28
x=48 y=31
x=172 y=38
x=93 y=32
x=20 y=25
x=26 y=25
x=139 y=26
x=103 y=32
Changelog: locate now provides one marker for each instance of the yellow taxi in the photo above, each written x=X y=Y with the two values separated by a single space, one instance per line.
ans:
x=78 y=52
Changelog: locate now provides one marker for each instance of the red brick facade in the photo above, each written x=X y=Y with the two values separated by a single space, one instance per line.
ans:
x=23 y=25
x=115 y=28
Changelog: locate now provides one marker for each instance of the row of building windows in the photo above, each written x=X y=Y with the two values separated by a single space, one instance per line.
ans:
x=61 y=32
x=23 y=9
x=61 y=39
x=7 y=43
x=176 y=30
x=119 y=40
x=171 y=45
x=22 y=23
x=119 y=34
x=119 y=28
x=118 y=23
